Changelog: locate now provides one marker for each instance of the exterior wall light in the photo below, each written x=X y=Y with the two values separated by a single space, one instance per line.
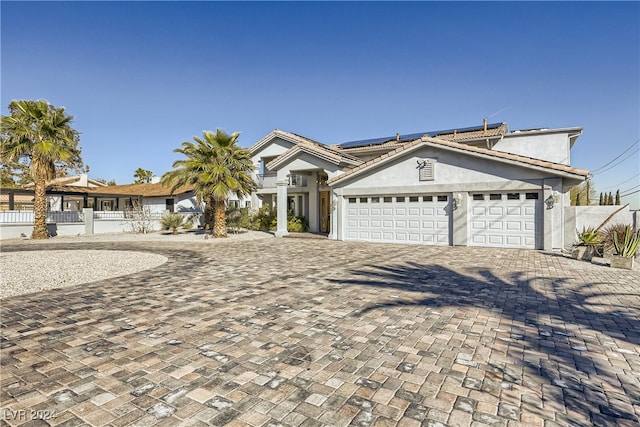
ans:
x=552 y=199
x=457 y=201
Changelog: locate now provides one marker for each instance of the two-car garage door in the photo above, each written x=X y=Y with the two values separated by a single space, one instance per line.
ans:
x=422 y=219
x=493 y=219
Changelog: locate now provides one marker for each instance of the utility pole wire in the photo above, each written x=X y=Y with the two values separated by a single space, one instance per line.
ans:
x=623 y=182
x=625 y=195
x=620 y=155
x=616 y=164
x=630 y=189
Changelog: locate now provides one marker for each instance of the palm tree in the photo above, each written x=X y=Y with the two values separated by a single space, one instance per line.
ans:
x=142 y=176
x=216 y=167
x=41 y=134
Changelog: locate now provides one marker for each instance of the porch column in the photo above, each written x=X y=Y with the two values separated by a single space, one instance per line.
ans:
x=11 y=201
x=282 y=208
x=314 y=207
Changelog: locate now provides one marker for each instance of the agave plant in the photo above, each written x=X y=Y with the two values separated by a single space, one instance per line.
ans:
x=589 y=236
x=628 y=247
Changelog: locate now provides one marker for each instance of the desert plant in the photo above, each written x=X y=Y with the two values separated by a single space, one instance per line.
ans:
x=172 y=221
x=216 y=167
x=607 y=233
x=589 y=237
x=629 y=245
x=297 y=224
x=40 y=134
x=139 y=219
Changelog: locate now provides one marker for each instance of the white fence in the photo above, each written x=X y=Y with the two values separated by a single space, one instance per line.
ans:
x=28 y=217
x=124 y=215
x=16 y=224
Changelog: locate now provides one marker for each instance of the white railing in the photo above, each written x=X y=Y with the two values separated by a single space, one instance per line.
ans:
x=125 y=215
x=267 y=180
x=65 y=216
x=28 y=217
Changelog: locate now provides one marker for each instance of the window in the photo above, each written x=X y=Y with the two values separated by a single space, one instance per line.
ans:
x=478 y=197
x=388 y=199
x=169 y=204
x=400 y=199
x=495 y=196
x=443 y=198
x=414 y=198
x=531 y=196
x=513 y=196
x=375 y=200
x=427 y=198
x=363 y=200
x=352 y=199
x=247 y=204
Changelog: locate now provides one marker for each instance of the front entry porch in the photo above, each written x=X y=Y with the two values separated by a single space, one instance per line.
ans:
x=304 y=194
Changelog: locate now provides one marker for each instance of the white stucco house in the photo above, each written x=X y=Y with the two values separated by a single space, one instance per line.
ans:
x=475 y=186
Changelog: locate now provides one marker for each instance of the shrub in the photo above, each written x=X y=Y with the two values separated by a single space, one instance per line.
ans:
x=264 y=219
x=172 y=221
x=297 y=224
x=238 y=218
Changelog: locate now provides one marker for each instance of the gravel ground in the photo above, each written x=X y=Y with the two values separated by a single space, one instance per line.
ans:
x=31 y=271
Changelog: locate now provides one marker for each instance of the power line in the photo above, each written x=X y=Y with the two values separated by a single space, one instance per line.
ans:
x=620 y=155
x=624 y=182
x=629 y=189
x=625 y=195
x=616 y=164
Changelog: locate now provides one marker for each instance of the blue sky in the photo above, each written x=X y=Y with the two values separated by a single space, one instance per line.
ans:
x=142 y=77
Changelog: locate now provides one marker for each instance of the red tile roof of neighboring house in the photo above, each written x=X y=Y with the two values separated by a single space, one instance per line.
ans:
x=145 y=190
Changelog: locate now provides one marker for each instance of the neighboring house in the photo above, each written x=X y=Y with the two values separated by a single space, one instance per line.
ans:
x=56 y=202
x=76 y=193
x=477 y=186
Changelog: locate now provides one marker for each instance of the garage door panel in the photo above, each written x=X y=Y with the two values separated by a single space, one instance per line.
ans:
x=495 y=211
x=514 y=211
x=479 y=211
x=513 y=225
x=375 y=211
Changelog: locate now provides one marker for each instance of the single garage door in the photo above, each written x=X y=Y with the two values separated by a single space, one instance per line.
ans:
x=421 y=219
x=506 y=220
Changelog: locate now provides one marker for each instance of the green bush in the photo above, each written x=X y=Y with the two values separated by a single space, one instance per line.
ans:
x=297 y=224
x=172 y=221
x=238 y=218
x=264 y=219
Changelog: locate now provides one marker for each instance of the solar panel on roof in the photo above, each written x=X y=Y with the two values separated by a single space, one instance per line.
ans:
x=412 y=136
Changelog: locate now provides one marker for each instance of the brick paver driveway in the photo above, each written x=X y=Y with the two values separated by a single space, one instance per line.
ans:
x=313 y=332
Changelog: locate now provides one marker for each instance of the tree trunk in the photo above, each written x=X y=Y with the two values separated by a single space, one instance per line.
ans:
x=208 y=214
x=220 y=226
x=40 y=210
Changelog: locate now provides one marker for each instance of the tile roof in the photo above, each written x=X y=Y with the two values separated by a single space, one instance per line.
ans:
x=313 y=147
x=145 y=190
x=456 y=146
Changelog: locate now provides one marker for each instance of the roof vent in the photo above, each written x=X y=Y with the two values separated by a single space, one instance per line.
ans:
x=397 y=137
x=484 y=121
